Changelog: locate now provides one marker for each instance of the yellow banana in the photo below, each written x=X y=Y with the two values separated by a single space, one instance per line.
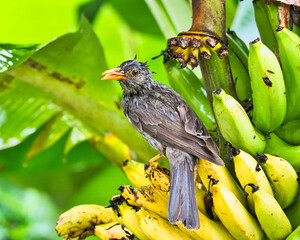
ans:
x=112 y=231
x=235 y=125
x=247 y=171
x=135 y=173
x=290 y=153
x=79 y=219
x=206 y=168
x=238 y=221
x=145 y=197
x=155 y=227
x=127 y=216
x=283 y=178
x=268 y=89
x=159 y=178
x=270 y=215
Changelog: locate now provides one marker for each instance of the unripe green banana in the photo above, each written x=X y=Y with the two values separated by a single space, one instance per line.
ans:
x=186 y=83
x=290 y=132
x=238 y=221
x=235 y=125
x=268 y=89
x=277 y=146
x=283 y=178
x=135 y=173
x=270 y=215
x=289 y=53
x=238 y=58
x=295 y=235
x=266 y=21
x=248 y=171
x=293 y=213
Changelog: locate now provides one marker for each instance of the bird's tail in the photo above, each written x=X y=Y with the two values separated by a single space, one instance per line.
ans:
x=182 y=205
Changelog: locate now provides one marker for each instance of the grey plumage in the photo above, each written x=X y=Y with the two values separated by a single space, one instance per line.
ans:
x=167 y=122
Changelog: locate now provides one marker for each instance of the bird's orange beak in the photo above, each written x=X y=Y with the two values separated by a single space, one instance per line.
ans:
x=113 y=74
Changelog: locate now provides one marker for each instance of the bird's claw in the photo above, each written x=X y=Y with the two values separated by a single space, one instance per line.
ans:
x=188 y=46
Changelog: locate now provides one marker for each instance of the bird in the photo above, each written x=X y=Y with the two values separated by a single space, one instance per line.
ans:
x=168 y=124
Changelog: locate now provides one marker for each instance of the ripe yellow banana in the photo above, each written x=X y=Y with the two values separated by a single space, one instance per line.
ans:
x=268 y=89
x=79 y=219
x=235 y=125
x=238 y=221
x=270 y=215
x=209 y=230
x=145 y=197
x=277 y=146
x=159 y=178
x=156 y=227
x=127 y=216
x=112 y=231
x=290 y=132
x=282 y=177
x=289 y=53
x=135 y=173
x=248 y=171
x=206 y=168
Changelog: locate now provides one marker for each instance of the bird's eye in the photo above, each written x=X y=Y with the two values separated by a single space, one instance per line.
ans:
x=134 y=72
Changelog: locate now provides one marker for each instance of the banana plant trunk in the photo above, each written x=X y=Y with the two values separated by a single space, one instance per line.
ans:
x=209 y=16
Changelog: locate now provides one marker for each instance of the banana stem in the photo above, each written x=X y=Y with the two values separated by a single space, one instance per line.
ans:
x=209 y=16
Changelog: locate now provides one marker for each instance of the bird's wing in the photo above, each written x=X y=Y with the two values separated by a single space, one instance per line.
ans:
x=169 y=120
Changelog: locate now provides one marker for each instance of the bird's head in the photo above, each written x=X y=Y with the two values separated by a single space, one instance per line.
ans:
x=131 y=75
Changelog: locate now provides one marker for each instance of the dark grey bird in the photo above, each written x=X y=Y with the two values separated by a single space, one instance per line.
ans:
x=168 y=124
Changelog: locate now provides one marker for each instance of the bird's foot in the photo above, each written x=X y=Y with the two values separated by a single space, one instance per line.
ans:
x=188 y=46
x=153 y=161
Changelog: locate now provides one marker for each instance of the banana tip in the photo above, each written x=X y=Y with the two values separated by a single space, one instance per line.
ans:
x=255 y=41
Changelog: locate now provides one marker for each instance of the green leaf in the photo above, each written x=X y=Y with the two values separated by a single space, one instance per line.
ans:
x=69 y=69
x=11 y=55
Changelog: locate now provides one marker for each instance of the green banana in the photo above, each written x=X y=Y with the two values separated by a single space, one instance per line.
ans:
x=247 y=171
x=238 y=221
x=295 y=235
x=238 y=58
x=186 y=83
x=277 y=146
x=266 y=21
x=268 y=89
x=290 y=132
x=283 y=178
x=270 y=215
x=293 y=213
x=235 y=125
x=135 y=173
x=289 y=53
x=206 y=168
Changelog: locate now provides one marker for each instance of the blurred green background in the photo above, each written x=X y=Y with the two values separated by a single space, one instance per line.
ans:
x=34 y=193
